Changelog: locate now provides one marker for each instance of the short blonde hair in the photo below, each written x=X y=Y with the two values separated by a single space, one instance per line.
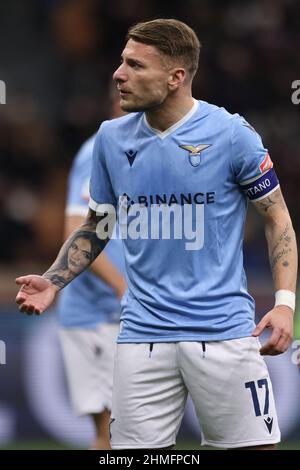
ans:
x=172 y=38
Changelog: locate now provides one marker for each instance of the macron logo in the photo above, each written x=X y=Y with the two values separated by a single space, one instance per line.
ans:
x=131 y=156
x=269 y=423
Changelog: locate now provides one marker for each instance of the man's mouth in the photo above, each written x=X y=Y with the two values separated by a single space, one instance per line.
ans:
x=123 y=92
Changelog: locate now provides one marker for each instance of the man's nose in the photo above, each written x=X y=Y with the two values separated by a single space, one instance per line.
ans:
x=119 y=75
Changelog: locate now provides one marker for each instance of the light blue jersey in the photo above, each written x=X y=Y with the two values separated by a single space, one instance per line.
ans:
x=210 y=163
x=88 y=301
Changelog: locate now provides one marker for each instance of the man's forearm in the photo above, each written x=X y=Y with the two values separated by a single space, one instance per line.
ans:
x=62 y=271
x=102 y=266
x=282 y=249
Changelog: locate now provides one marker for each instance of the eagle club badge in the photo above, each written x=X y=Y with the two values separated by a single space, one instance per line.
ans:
x=195 y=152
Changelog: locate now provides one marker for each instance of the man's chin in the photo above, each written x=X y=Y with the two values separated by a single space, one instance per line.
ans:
x=130 y=107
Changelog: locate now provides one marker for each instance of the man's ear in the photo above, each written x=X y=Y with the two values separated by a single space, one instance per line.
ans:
x=176 y=78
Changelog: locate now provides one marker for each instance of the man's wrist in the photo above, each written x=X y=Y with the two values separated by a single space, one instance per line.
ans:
x=285 y=297
x=56 y=282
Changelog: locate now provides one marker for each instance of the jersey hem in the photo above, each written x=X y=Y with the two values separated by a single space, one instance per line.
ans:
x=178 y=339
x=89 y=410
x=142 y=446
x=247 y=443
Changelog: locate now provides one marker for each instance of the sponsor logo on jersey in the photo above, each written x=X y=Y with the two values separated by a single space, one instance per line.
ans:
x=195 y=152
x=167 y=199
x=173 y=216
x=266 y=164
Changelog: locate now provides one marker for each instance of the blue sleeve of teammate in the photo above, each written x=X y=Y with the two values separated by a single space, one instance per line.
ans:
x=101 y=191
x=251 y=163
x=79 y=178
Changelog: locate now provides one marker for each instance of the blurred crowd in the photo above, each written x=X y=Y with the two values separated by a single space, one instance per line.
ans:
x=57 y=57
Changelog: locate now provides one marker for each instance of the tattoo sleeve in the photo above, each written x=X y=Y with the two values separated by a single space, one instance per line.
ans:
x=281 y=240
x=266 y=203
x=78 y=252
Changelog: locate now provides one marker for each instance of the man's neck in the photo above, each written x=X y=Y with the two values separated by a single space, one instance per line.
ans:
x=170 y=112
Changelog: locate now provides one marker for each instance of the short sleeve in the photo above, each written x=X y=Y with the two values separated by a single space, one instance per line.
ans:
x=101 y=191
x=78 y=182
x=252 y=165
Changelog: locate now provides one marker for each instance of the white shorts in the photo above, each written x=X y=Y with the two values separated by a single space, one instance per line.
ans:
x=228 y=383
x=89 y=358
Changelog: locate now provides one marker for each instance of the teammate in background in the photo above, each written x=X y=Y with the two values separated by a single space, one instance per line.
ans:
x=188 y=319
x=89 y=309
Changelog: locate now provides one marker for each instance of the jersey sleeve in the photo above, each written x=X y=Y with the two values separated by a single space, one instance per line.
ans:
x=78 y=182
x=252 y=165
x=101 y=190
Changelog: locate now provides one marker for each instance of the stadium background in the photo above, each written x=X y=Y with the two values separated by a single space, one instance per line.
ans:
x=56 y=58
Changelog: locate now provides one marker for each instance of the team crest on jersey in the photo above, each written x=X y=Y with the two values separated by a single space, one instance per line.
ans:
x=195 y=152
x=266 y=164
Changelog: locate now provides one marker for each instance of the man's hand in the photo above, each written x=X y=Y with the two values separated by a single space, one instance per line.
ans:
x=35 y=295
x=280 y=320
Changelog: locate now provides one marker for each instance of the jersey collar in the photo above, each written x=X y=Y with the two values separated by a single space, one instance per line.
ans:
x=174 y=127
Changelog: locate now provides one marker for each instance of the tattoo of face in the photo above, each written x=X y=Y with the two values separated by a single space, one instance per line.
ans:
x=78 y=252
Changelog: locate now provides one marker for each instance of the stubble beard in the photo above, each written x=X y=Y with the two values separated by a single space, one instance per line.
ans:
x=135 y=108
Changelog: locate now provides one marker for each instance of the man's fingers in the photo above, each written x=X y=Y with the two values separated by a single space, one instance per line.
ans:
x=24 y=309
x=260 y=327
x=275 y=344
x=27 y=309
x=270 y=345
x=20 y=299
x=285 y=346
x=283 y=343
x=22 y=280
x=268 y=350
x=30 y=309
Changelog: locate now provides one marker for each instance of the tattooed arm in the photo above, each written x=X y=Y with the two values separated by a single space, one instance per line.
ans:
x=281 y=240
x=102 y=267
x=76 y=254
x=282 y=250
